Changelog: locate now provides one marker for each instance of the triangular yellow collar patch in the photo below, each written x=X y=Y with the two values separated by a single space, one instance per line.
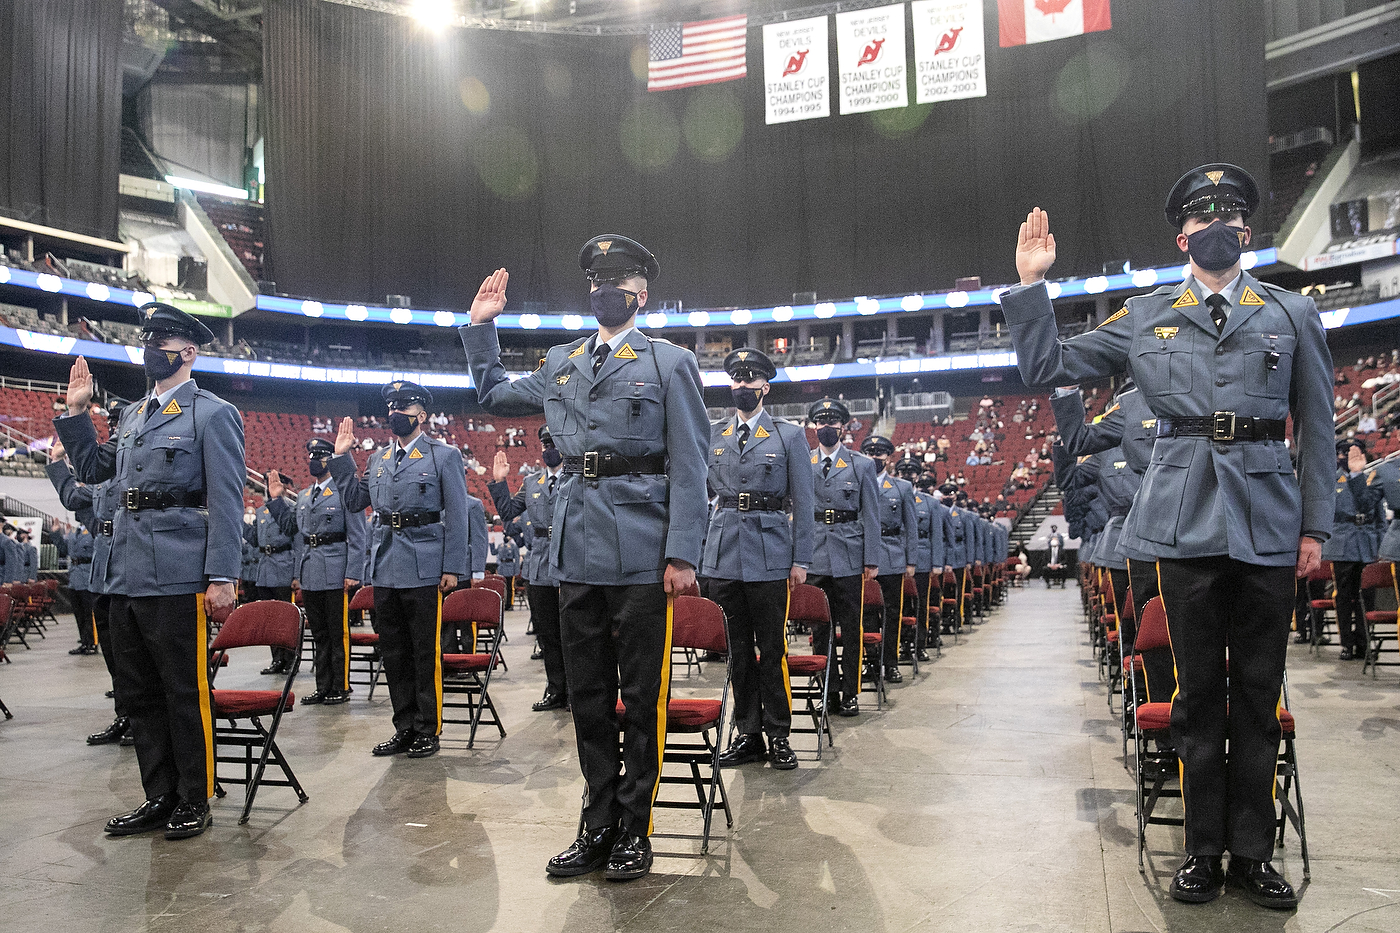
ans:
x=328 y=491
x=1187 y=300
x=759 y=432
x=388 y=452
x=416 y=454
x=625 y=352
x=888 y=485
x=814 y=458
x=840 y=462
x=1250 y=298
x=174 y=407
x=729 y=431
x=579 y=352
x=1114 y=316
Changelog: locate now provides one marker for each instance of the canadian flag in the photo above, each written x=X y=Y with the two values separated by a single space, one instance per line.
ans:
x=1026 y=21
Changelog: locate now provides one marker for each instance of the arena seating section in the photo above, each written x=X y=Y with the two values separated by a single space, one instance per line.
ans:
x=241 y=223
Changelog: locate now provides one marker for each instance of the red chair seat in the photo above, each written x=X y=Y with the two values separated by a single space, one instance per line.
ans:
x=1323 y=604
x=364 y=638
x=686 y=715
x=222 y=658
x=874 y=638
x=908 y=621
x=1111 y=636
x=806 y=664
x=1137 y=662
x=1381 y=615
x=462 y=663
x=1154 y=717
x=1285 y=719
x=235 y=703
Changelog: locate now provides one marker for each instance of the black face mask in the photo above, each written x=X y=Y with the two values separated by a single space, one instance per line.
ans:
x=318 y=468
x=1217 y=247
x=161 y=364
x=612 y=306
x=828 y=435
x=879 y=464
x=402 y=424
x=552 y=457
x=745 y=399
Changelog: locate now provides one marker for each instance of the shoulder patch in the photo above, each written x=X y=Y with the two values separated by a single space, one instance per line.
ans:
x=1250 y=298
x=1121 y=312
x=1187 y=300
x=172 y=409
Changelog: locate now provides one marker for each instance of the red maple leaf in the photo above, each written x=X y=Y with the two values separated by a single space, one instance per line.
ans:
x=1051 y=7
x=872 y=51
x=794 y=64
x=949 y=40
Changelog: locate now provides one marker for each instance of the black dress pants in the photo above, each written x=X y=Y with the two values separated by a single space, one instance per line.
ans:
x=161 y=646
x=544 y=619
x=921 y=610
x=617 y=642
x=101 y=604
x=281 y=657
x=1351 y=607
x=326 y=616
x=82 y=615
x=845 y=598
x=1142 y=577
x=757 y=616
x=409 y=622
x=892 y=589
x=1218 y=607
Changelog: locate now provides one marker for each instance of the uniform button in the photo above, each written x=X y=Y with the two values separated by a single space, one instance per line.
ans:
x=1222 y=449
x=1220 y=382
x=138 y=468
x=593 y=396
x=1219 y=351
x=592 y=425
x=139 y=442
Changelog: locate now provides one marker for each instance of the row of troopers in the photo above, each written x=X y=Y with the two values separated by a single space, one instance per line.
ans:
x=19 y=558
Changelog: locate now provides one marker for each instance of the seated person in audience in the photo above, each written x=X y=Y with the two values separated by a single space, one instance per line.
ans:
x=972 y=460
x=1367 y=424
x=1023 y=565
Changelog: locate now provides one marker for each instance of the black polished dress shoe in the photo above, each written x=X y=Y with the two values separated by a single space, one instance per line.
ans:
x=630 y=858
x=112 y=734
x=780 y=753
x=110 y=694
x=1261 y=883
x=744 y=749
x=549 y=701
x=892 y=674
x=1198 y=880
x=189 y=819
x=921 y=655
x=424 y=746
x=1345 y=655
x=273 y=669
x=311 y=699
x=153 y=814
x=129 y=739
x=850 y=707
x=589 y=852
x=340 y=696
x=537 y=654
x=83 y=649
x=399 y=744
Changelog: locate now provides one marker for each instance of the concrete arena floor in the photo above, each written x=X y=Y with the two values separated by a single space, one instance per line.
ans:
x=989 y=796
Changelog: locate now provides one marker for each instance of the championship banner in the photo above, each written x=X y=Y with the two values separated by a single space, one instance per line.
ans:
x=796 y=71
x=870 y=59
x=950 y=60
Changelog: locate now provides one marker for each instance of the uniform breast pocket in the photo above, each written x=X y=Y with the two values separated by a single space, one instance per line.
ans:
x=777 y=540
x=176 y=460
x=179 y=532
x=1163 y=367
x=423 y=491
x=638 y=407
x=1164 y=490
x=1268 y=364
x=560 y=405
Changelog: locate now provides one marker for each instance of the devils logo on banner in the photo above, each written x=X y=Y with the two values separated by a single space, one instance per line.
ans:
x=870 y=59
x=950 y=56
x=796 y=71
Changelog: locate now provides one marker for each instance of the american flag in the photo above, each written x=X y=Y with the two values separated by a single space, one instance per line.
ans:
x=687 y=54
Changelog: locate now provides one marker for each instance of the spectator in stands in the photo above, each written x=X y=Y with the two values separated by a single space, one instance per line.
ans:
x=367 y=444
x=985 y=404
x=972 y=459
x=1367 y=424
x=960 y=480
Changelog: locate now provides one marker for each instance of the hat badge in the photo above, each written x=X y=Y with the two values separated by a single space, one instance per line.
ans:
x=604 y=246
x=398 y=386
x=743 y=354
x=1215 y=177
x=826 y=404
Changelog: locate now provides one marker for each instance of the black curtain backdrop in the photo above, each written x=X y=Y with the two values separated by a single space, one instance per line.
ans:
x=400 y=162
x=60 y=112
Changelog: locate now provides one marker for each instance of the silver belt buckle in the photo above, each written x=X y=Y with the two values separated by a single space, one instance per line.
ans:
x=131 y=499
x=590 y=464
x=1222 y=426
x=829 y=516
x=745 y=501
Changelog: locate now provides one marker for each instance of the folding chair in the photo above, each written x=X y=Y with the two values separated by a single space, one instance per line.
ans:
x=909 y=624
x=807 y=606
x=1379 y=576
x=364 y=646
x=700 y=624
x=488 y=631
x=1318 y=609
x=518 y=590
x=683 y=655
x=6 y=605
x=471 y=607
x=950 y=613
x=267 y=623
x=872 y=643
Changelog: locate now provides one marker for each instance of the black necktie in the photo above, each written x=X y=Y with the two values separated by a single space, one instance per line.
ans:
x=398 y=456
x=826 y=467
x=551 y=484
x=599 y=356
x=1217 y=311
x=743 y=436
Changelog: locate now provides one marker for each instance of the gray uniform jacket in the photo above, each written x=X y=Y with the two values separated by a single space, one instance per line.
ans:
x=960 y=543
x=759 y=544
x=645 y=401
x=930 y=534
x=79 y=543
x=1117 y=486
x=326 y=566
x=274 y=570
x=897 y=515
x=1357 y=497
x=76 y=498
x=508 y=558
x=478 y=544
x=429 y=478
x=942 y=542
x=1388 y=478
x=1200 y=498
x=249 y=571
x=192 y=447
x=845 y=549
x=10 y=561
x=535 y=502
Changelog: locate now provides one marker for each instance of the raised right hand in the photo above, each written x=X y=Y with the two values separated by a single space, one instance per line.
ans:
x=490 y=299
x=1035 y=248
x=500 y=468
x=275 y=486
x=79 y=387
x=345 y=439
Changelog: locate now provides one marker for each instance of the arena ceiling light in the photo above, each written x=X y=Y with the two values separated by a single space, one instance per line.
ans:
x=434 y=14
x=208 y=187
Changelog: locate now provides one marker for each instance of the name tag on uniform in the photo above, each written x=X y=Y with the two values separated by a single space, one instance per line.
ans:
x=562 y=379
x=719 y=451
x=1165 y=333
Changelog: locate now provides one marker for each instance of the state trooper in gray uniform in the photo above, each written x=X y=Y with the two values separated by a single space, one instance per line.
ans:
x=958 y=556
x=1222 y=360
x=627 y=413
x=275 y=571
x=176 y=463
x=418 y=550
x=535 y=502
x=31 y=557
x=508 y=562
x=847 y=549
x=899 y=547
x=1358 y=523
x=1387 y=476
x=9 y=562
x=928 y=555
x=328 y=562
x=760 y=470
x=79 y=544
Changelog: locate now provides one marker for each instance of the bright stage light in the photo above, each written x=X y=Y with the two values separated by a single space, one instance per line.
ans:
x=434 y=14
x=208 y=187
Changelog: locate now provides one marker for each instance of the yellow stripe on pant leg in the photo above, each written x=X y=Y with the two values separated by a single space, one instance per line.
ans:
x=860 y=640
x=345 y=636
x=437 y=661
x=206 y=714
x=787 y=681
x=662 y=699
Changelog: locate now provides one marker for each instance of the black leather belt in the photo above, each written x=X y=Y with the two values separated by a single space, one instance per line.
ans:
x=139 y=500
x=891 y=531
x=837 y=516
x=80 y=560
x=925 y=535
x=278 y=549
x=1355 y=519
x=331 y=537
x=753 y=502
x=595 y=464
x=397 y=520
x=1222 y=426
x=105 y=528
x=543 y=532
